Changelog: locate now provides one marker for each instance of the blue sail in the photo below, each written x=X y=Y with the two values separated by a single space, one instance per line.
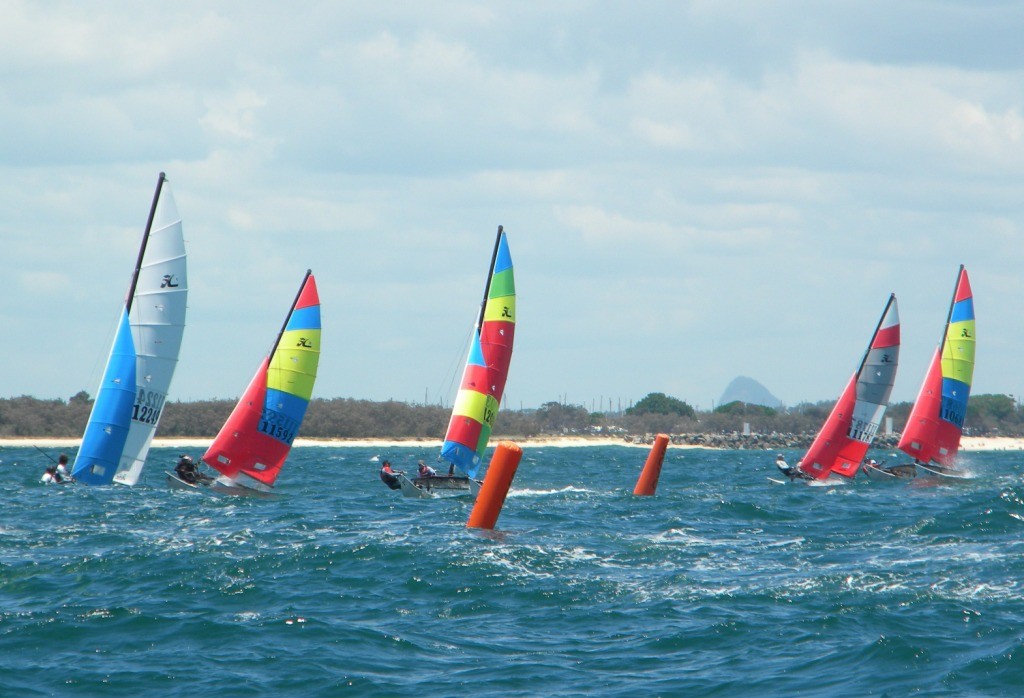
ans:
x=107 y=430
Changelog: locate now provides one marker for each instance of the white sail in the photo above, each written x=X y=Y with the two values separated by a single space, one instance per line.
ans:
x=157 y=320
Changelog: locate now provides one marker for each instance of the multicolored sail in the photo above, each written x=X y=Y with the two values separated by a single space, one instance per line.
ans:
x=844 y=439
x=254 y=442
x=936 y=422
x=137 y=378
x=483 y=380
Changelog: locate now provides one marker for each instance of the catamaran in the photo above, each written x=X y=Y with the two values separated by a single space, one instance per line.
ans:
x=483 y=383
x=137 y=378
x=847 y=434
x=252 y=446
x=936 y=422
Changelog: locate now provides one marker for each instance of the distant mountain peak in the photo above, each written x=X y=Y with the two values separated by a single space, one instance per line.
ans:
x=748 y=390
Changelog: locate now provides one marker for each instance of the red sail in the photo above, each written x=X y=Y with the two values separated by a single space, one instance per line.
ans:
x=240 y=448
x=832 y=450
x=927 y=438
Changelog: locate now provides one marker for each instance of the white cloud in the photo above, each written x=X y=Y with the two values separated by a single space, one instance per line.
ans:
x=234 y=115
x=693 y=191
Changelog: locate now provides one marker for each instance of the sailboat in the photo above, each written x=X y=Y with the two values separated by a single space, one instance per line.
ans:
x=254 y=442
x=844 y=439
x=483 y=382
x=936 y=422
x=137 y=377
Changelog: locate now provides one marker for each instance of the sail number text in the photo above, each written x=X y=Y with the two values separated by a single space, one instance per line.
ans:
x=953 y=410
x=278 y=425
x=862 y=431
x=148 y=406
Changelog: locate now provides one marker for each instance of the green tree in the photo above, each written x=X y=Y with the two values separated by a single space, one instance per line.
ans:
x=80 y=398
x=660 y=403
x=999 y=407
x=745 y=409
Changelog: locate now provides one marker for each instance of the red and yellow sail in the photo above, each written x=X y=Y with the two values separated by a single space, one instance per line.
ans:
x=936 y=422
x=483 y=381
x=254 y=442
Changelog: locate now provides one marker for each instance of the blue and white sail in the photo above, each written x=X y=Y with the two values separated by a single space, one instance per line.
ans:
x=133 y=392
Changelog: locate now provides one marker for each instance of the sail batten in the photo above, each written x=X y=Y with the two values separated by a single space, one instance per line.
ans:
x=137 y=379
x=935 y=424
x=252 y=446
x=490 y=353
x=855 y=419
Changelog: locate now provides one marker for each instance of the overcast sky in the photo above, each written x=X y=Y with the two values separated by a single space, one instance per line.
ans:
x=692 y=190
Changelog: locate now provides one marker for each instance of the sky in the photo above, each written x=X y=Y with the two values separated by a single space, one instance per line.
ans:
x=692 y=191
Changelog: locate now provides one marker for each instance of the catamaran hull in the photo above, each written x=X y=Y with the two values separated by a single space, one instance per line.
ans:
x=412 y=491
x=438 y=486
x=943 y=472
x=896 y=472
x=216 y=487
x=177 y=483
x=219 y=487
x=440 y=482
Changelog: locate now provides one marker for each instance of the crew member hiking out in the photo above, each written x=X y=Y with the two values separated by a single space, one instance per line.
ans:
x=389 y=476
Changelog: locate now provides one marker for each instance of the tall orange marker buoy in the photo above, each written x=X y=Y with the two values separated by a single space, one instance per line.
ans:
x=496 y=483
x=648 y=481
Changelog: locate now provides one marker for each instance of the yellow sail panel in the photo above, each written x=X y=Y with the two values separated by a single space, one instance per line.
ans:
x=501 y=309
x=958 y=352
x=469 y=403
x=293 y=367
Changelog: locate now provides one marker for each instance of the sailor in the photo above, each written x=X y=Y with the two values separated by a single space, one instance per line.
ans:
x=425 y=470
x=390 y=477
x=50 y=476
x=786 y=469
x=187 y=470
x=62 y=469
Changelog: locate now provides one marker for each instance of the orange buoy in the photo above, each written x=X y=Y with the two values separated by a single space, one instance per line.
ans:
x=496 y=483
x=648 y=481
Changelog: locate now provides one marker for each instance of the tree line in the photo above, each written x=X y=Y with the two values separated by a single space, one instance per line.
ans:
x=347 y=418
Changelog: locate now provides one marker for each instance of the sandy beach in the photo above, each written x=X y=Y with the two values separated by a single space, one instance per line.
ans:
x=201 y=442
x=969 y=443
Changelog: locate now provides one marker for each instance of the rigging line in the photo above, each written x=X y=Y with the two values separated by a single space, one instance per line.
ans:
x=448 y=381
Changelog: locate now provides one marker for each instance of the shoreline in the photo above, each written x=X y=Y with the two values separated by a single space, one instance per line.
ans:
x=967 y=444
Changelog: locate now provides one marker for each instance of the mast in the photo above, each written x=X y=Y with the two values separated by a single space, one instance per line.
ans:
x=892 y=297
x=290 y=311
x=145 y=240
x=490 y=273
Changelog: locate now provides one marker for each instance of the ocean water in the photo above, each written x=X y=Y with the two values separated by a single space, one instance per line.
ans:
x=721 y=585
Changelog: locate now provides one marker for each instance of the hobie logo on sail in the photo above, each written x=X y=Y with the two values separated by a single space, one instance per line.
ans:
x=169 y=281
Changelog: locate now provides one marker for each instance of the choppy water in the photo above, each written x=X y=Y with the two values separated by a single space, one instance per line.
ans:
x=721 y=585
